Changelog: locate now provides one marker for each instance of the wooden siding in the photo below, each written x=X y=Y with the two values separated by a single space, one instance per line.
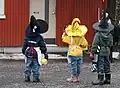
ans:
x=86 y=10
x=13 y=27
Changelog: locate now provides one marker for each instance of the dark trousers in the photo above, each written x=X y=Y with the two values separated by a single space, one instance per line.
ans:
x=103 y=64
x=111 y=50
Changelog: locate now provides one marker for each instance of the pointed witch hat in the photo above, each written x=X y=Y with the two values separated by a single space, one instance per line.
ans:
x=104 y=25
x=36 y=26
x=42 y=25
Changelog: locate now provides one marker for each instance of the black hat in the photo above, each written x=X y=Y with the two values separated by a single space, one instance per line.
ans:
x=103 y=25
x=42 y=25
x=38 y=25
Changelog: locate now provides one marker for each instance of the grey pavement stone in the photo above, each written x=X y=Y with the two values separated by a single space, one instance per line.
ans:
x=53 y=75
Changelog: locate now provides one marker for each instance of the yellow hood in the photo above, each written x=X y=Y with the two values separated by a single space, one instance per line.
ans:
x=75 y=29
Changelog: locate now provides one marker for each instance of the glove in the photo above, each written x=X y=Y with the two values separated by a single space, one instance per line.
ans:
x=46 y=56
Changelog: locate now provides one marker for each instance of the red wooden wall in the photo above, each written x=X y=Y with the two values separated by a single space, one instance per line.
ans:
x=86 y=10
x=12 y=28
x=17 y=17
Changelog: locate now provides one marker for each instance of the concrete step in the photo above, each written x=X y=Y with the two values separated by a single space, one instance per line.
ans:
x=51 y=48
x=19 y=56
x=52 y=57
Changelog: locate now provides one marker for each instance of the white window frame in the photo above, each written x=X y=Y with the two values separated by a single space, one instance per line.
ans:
x=2 y=10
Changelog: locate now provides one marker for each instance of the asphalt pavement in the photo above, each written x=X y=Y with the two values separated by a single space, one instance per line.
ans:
x=53 y=75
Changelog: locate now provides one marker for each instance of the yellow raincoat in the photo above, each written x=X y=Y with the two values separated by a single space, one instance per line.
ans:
x=74 y=36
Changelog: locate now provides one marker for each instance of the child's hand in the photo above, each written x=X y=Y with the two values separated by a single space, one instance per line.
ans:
x=46 y=56
x=92 y=55
x=64 y=34
x=82 y=46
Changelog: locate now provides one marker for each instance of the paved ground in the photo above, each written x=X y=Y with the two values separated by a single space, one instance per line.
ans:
x=53 y=75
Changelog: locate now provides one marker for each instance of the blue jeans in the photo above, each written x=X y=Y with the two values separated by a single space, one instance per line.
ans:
x=103 y=64
x=32 y=64
x=75 y=62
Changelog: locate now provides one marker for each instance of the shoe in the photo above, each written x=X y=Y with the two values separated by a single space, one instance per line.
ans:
x=100 y=80
x=73 y=79
x=36 y=79
x=27 y=79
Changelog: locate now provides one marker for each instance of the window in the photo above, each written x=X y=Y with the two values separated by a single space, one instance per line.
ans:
x=2 y=15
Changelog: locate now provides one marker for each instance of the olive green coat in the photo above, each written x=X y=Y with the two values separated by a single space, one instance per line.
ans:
x=101 y=43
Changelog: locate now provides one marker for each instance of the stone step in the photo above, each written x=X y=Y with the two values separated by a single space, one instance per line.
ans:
x=51 y=48
x=21 y=56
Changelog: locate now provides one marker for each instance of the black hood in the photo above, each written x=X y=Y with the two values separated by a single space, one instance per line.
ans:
x=29 y=32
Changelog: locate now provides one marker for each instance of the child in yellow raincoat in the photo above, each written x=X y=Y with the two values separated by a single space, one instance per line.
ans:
x=74 y=35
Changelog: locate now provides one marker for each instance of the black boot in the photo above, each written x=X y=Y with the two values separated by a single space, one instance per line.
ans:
x=107 y=79
x=36 y=79
x=100 y=80
x=27 y=78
